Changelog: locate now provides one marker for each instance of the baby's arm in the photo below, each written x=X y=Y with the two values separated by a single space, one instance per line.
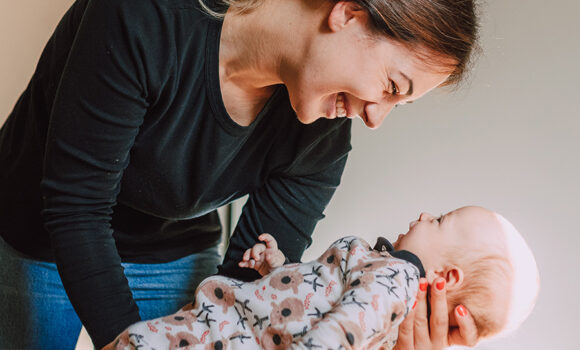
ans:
x=263 y=257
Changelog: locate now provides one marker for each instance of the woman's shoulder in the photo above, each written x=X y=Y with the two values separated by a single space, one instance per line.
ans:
x=145 y=11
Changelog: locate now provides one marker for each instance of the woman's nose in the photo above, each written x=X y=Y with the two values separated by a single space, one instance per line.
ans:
x=376 y=113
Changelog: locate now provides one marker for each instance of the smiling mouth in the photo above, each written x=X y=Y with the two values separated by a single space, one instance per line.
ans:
x=340 y=106
x=342 y=109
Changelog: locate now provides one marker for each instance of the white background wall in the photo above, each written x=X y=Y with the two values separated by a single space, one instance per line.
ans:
x=509 y=140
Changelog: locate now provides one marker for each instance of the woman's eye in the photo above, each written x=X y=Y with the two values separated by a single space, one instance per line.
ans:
x=394 y=88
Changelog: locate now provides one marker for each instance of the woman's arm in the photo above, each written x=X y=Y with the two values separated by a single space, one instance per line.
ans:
x=100 y=104
x=292 y=200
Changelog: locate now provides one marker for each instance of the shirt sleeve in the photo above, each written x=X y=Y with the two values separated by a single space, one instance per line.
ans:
x=289 y=205
x=102 y=98
x=376 y=298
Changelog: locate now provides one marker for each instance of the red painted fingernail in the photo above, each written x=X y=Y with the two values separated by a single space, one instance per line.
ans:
x=423 y=286
x=461 y=310
x=440 y=285
x=414 y=305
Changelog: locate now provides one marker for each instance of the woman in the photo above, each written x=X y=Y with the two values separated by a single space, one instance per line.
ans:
x=143 y=117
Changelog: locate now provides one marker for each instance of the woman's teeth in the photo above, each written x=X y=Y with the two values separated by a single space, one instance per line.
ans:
x=340 y=110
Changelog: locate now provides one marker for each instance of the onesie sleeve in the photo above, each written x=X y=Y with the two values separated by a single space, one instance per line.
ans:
x=103 y=95
x=378 y=293
x=290 y=204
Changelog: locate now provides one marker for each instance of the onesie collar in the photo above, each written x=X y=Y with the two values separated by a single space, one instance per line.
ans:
x=383 y=244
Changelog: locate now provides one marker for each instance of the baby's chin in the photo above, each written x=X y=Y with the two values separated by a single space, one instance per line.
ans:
x=398 y=242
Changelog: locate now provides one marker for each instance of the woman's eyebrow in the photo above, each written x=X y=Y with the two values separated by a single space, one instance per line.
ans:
x=410 y=91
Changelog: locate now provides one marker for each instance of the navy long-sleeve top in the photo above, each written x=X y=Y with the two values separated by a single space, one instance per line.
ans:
x=120 y=149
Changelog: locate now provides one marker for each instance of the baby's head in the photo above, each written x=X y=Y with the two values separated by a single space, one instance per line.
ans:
x=486 y=263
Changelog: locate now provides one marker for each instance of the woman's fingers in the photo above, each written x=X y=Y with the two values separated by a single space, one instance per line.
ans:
x=406 y=341
x=421 y=322
x=439 y=318
x=432 y=331
x=466 y=332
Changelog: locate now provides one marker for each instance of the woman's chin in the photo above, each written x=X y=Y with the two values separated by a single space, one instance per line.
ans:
x=306 y=120
x=311 y=120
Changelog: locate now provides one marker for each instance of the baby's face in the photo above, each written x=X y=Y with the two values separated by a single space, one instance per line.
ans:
x=434 y=239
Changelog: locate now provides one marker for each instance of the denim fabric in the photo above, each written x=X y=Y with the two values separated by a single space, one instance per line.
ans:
x=35 y=312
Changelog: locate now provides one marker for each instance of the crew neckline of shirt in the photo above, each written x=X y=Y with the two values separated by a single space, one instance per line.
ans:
x=215 y=96
x=383 y=245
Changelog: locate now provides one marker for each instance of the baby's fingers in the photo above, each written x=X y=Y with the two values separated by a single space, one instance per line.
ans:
x=274 y=258
x=269 y=240
x=257 y=252
x=245 y=262
x=246 y=255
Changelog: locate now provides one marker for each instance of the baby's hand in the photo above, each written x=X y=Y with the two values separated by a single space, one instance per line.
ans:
x=263 y=257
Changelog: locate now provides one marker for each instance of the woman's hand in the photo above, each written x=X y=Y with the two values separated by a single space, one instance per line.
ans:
x=263 y=257
x=417 y=332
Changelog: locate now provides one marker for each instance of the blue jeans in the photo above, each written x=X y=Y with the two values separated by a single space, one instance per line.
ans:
x=35 y=312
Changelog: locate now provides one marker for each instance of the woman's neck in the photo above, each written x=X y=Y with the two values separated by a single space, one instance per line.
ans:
x=254 y=46
x=256 y=49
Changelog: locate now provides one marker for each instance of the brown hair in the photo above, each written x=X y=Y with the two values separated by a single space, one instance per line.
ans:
x=443 y=27
x=486 y=278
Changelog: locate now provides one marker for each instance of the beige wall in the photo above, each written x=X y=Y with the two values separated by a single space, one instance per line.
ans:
x=510 y=141
x=25 y=26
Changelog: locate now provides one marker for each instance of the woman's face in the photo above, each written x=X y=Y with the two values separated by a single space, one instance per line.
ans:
x=367 y=76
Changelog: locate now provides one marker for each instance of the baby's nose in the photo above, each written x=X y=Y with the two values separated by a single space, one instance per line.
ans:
x=425 y=216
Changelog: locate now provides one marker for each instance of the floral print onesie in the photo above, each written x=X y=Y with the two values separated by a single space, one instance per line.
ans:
x=351 y=297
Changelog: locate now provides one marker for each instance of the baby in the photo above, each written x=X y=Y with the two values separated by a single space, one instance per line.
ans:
x=355 y=296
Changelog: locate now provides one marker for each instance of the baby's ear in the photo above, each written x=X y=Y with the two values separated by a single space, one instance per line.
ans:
x=453 y=277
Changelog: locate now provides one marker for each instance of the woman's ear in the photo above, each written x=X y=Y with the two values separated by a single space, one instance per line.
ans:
x=344 y=13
